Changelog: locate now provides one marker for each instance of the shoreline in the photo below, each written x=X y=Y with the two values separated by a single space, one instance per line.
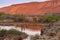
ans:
x=32 y=26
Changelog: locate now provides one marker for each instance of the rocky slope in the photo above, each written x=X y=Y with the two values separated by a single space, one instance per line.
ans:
x=33 y=8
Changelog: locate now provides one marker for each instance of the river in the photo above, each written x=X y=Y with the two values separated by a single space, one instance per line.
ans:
x=27 y=31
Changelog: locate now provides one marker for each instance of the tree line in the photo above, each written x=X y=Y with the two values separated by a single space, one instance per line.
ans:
x=48 y=17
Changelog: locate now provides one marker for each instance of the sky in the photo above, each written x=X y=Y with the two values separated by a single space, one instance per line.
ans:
x=4 y=3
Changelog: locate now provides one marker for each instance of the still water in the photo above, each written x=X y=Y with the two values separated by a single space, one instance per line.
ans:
x=27 y=31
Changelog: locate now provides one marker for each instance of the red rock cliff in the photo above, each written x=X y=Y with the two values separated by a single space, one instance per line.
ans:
x=33 y=8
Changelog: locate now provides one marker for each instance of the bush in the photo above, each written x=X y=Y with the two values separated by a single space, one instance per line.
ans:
x=50 y=18
x=3 y=32
x=19 y=18
x=14 y=32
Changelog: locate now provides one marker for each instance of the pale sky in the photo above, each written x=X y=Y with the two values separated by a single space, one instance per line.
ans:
x=4 y=3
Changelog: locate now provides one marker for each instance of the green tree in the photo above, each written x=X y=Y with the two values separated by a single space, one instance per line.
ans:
x=19 y=18
x=50 y=18
x=2 y=15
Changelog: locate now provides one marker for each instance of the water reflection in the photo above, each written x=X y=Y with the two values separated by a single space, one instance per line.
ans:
x=27 y=31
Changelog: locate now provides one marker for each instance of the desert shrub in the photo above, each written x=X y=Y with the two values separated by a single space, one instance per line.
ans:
x=34 y=37
x=52 y=34
x=14 y=31
x=19 y=18
x=49 y=17
x=11 y=31
x=3 y=32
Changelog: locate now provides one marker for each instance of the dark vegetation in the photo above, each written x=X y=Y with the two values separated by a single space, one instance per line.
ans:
x=11 y=34
x=12 y=18
x=48 y=17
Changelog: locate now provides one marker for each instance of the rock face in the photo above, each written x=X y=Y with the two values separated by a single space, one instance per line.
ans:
x=33 y=8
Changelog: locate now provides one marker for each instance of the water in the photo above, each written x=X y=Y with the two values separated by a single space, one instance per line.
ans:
x=27 y=31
